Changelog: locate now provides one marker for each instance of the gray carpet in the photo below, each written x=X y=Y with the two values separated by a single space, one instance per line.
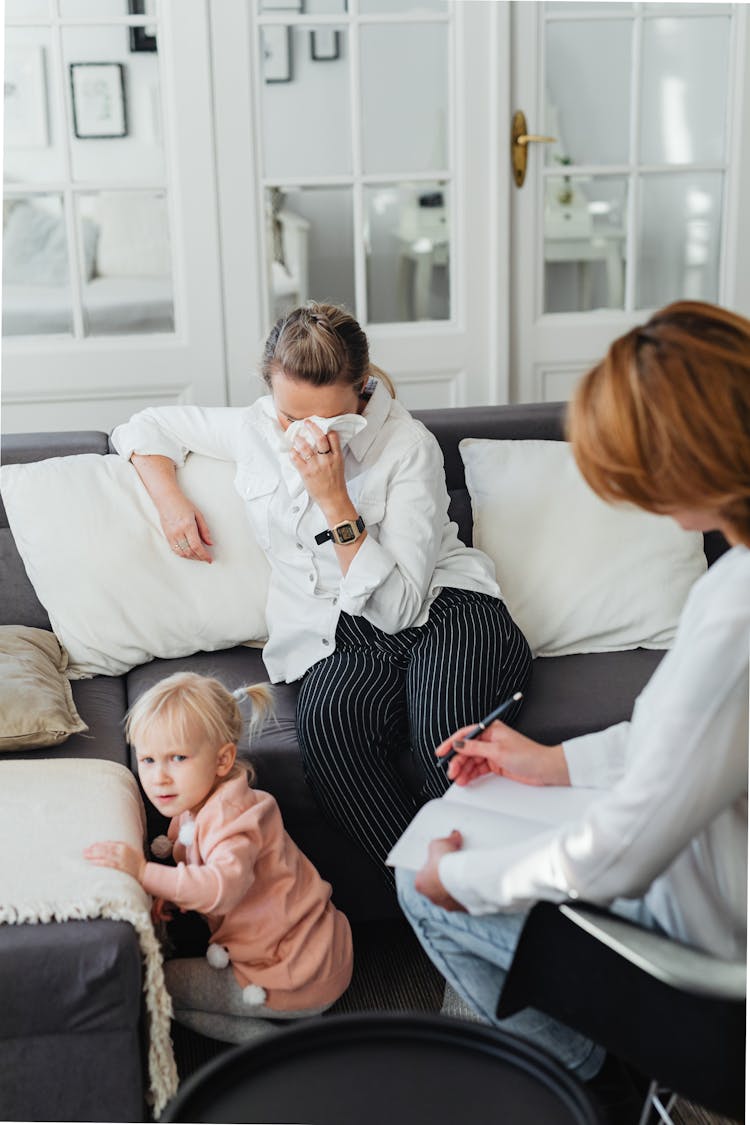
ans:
x=391 y=973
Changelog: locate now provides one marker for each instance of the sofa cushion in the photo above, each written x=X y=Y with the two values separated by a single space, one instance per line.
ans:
x=116 y=592
x=571 y=695
x=70 y=1025
x=578 y=574
x=36 y=703
x=101 y=703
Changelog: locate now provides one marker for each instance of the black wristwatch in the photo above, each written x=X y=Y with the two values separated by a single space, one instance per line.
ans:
x=343 y=533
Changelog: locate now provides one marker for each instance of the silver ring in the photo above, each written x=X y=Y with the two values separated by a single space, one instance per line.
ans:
x=306 y=459
x=183 y=546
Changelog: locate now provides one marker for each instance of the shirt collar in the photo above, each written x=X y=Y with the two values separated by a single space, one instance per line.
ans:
x=377 y=410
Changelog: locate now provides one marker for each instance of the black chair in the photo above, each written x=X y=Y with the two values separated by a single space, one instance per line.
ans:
x=673 y=1012
x=397 y=1069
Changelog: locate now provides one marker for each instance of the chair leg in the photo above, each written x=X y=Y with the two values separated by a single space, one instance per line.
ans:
x=654 y=1101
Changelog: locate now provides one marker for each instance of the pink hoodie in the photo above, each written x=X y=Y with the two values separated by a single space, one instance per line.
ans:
x=262 y=898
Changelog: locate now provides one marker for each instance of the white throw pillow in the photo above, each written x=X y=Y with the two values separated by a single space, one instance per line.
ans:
x=133 y=235
x=115 y=592
x=578 y=575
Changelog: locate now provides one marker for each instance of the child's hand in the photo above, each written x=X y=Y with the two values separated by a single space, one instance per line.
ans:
x=112 y=853
x=160 y=912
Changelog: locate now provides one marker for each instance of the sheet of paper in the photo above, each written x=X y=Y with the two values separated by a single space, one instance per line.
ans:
x=490 y=812
x=550 y=804
x=480 y=828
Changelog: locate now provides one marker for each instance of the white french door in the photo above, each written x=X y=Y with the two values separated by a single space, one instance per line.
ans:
x=367 y=180
x=109 y=157
x=638 y=200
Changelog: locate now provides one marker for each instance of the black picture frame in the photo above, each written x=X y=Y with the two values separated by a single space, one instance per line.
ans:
x=325 y=44
x=140 y=40
x=89 y=122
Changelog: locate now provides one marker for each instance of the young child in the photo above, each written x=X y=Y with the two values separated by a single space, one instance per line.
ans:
x=279 y=948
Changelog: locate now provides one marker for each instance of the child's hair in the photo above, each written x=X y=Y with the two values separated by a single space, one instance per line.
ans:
x=192 y=705
x=663 y=421
x=320 y=344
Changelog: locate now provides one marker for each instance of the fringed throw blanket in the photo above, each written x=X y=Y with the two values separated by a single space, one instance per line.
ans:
x=50 y=810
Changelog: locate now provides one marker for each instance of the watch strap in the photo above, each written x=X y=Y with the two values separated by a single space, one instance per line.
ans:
x=324 y=536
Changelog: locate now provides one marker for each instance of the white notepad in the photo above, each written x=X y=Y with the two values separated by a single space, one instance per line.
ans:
x=490 y=812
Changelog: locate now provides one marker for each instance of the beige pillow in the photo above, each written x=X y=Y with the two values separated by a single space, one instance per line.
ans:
x=36 y=702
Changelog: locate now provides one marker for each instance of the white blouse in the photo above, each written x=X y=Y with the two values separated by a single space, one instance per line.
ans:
x=396 y=480
x=672 y=826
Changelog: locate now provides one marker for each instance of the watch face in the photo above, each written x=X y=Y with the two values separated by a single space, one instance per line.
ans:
x=345 y=533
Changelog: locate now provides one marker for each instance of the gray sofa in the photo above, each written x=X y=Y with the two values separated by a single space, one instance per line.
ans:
x=70 y=1023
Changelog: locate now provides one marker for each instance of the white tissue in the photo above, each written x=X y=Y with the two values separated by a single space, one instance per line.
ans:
x=345 y=425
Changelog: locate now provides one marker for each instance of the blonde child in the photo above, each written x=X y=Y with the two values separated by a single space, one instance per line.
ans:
x=279 y=949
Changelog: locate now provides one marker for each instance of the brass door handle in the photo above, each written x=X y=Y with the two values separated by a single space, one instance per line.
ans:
x=527 y=138
x=519 y=140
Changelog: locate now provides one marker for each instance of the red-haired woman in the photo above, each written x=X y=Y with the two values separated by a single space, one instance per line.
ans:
x=662 y=422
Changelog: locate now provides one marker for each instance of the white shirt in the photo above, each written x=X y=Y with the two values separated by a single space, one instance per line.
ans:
x=396 y=480
x=672 y=827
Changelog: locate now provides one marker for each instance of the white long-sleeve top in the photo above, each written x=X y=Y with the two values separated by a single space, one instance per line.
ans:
x=672 y=825
x=396 y=480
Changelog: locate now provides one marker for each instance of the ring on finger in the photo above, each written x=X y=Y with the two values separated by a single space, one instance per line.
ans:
x=307 y=458
x=322 y=452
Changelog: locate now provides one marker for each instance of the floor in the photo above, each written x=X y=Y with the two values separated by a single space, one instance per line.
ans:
x=391 y=973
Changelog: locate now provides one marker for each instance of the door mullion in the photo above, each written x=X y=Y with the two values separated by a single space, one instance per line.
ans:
x=634 y=181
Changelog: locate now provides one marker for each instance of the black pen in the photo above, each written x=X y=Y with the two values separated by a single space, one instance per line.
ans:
x=477 y=730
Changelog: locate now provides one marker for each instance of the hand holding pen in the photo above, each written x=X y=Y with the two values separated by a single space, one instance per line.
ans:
x=493 y=747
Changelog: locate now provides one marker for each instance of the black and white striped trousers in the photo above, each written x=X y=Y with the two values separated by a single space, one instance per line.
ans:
x=378 y=695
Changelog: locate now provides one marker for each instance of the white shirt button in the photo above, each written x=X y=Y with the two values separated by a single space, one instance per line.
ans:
x=295 y=509
x=326 y=642
x=335 y=601
x=311 y=577
x=299 y=546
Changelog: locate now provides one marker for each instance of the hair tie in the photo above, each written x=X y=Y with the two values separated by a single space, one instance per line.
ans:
x=240 y=693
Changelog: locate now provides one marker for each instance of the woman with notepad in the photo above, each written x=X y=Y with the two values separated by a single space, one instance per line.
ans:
x=663 y=422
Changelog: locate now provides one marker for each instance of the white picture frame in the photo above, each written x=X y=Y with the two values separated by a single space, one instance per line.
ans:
x=98 y=94
x=26 y=117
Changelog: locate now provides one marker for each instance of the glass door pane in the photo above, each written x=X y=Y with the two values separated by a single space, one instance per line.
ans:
x=685 y=63
x=404 y=80
x=679 y=235
x=407 y=239
x=588 y=90
x=305 y=101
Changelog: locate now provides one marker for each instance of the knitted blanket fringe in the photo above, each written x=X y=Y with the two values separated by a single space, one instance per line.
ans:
x=161 y=1064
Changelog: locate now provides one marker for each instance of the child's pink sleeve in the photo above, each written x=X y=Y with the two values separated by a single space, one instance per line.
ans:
x=215 y=887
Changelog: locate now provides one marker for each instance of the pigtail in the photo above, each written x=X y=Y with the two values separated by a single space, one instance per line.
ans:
x=261 y=698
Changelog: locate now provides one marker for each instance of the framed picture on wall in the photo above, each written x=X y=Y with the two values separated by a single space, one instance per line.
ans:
x=143 y=37
x=98 y=92
x=276 y=45
x=26 y=123
x=324 y=44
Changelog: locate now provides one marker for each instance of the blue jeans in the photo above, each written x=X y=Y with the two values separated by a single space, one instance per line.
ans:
x=474 y=953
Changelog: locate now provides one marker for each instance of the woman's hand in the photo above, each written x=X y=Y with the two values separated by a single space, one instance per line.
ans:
x=184 y=526
x=113 y=853
x=427 y=880
x=502 y=750
x=320 y=463
x=186 y=530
